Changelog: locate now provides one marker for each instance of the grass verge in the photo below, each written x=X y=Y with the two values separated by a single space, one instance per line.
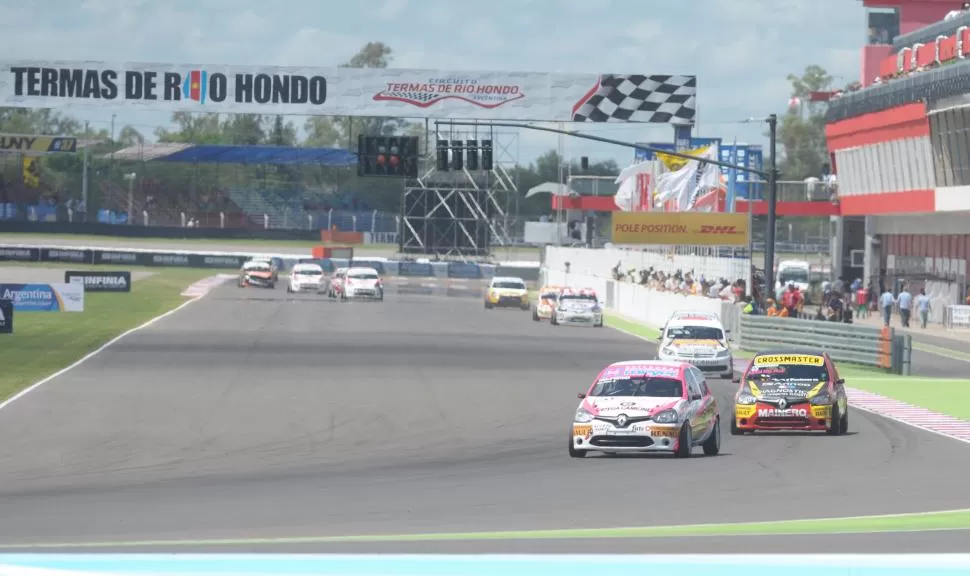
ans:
x=946 y=396
x=45 y=342
x=915 y=522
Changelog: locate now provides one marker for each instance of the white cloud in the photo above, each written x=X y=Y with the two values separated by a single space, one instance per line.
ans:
x=390 y=9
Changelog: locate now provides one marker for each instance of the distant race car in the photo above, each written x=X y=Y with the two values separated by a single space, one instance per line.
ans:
x=256 y=273
x=578 y=308
x=791 y=389
x=307 y=278
x=337 y=282
x=274 y=266
x=547 y=302
x=698 y=339
x=507 y=292
x=362 y=282
x=647 y=406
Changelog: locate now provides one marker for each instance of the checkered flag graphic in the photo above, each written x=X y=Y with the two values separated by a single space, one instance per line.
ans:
x=636 y=98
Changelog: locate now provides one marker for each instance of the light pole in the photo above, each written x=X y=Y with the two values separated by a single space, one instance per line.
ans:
x=130 y=178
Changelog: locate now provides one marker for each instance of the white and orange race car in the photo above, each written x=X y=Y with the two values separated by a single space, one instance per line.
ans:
x=578 y=307
x=546 y=303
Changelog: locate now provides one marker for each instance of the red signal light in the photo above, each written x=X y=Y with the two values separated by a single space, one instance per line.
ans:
x=381 y=159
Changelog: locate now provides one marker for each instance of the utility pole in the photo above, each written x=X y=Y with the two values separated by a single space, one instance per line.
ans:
x=84 y=169
x=772 y=203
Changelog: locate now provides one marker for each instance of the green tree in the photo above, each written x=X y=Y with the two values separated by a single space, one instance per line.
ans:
x=342 y=131
x=801 y=131
x=194 y=129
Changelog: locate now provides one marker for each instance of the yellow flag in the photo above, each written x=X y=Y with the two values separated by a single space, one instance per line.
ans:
x=675 y=163
x=31 y=172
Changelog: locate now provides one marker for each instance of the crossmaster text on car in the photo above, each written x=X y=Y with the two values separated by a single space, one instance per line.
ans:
x=646 y=406
x=697 y=338
x=791 y=389
x=507 y=292
x=578 y=307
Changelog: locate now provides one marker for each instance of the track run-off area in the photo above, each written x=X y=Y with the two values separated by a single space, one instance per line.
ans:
x=257 y=420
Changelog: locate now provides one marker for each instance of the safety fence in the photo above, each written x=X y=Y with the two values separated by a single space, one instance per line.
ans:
x=863 y=345
x=956 y=317
x=867 y=346
x=527 y=271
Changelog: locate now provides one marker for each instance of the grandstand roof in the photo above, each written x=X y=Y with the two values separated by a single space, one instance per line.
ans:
x=219 y=154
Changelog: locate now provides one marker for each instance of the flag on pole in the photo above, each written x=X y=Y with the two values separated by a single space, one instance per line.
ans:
x=680 y=189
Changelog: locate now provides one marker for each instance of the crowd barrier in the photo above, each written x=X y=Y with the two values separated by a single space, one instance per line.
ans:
x=528 y=271
x=602 y=261
x=861 y=345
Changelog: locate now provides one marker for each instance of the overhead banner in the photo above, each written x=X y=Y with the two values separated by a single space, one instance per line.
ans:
x=683 y=228
x=44 y=297
x=36 y=144
x=387 y=92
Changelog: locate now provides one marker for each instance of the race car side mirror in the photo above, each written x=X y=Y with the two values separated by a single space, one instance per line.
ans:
x=581 y=395
x=840 y=381
x=736 y=379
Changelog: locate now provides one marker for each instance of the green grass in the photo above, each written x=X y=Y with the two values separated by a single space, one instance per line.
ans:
x=45 y=342
x=177 y=243
x=945 y=396
x=914 y=522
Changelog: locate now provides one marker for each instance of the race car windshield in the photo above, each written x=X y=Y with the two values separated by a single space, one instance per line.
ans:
x=550 y=296
x=795 y=275
x=364 y=276
x=695 y=333
x=258 y=268
x=643 y=386
x=509 y=285
x=309 y=272
x=579 y=298
x=807 y=374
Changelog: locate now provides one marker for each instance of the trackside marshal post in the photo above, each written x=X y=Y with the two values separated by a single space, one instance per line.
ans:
x=683 y=228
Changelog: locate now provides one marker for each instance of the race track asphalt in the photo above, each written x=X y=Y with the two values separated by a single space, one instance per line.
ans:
x=256 y=414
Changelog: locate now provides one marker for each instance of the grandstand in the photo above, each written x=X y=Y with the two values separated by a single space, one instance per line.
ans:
x=248 y=186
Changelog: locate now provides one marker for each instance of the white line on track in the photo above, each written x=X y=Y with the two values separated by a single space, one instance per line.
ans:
x=93 y=353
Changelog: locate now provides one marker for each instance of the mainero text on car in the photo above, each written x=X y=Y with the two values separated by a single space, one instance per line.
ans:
x=793 y=389
x=647 y=406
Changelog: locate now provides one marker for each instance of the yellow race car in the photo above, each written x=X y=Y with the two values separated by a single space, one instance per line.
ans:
x=507 y=292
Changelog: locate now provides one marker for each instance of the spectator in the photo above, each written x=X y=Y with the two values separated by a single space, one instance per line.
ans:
x=862 y=301
x=905 y=303
x=886 y=302
x=924 y=307
x=792 y=299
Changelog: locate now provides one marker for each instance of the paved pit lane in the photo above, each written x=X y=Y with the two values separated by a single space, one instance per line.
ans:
x=258 y=414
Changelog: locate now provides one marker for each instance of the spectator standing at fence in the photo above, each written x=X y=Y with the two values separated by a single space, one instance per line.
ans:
x=862 y=301
x=905 y=303
x=923 y=306
x=791 y=300
x=886 y=302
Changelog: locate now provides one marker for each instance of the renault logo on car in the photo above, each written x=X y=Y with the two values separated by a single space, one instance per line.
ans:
x=621 y=420
x=782 y=403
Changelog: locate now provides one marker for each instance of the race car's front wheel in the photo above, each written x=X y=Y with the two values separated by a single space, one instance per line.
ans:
x=573 y=452
x=835 y=428
x=845 y=422
x=712 y=446
x=735 y=431
x=535 y=315
x=684 y=443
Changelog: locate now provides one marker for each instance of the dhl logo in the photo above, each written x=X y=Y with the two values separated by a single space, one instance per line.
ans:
x=708 y=229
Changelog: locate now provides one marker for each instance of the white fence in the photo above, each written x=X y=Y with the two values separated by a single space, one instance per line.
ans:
x=602 y=261
x=641 y=304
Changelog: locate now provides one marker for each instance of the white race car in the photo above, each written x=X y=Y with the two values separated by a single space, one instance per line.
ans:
x=699 y=340
x=362 y=283
x=307 y=278
x=577 y=308
x=647 y=406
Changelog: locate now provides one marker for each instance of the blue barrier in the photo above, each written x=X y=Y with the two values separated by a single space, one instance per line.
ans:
x=109 y=217
x=8 y=211
x=375 y=264
x=417 y=269
x=464 y=270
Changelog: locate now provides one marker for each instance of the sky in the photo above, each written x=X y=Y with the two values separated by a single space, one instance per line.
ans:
x=740 y=50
